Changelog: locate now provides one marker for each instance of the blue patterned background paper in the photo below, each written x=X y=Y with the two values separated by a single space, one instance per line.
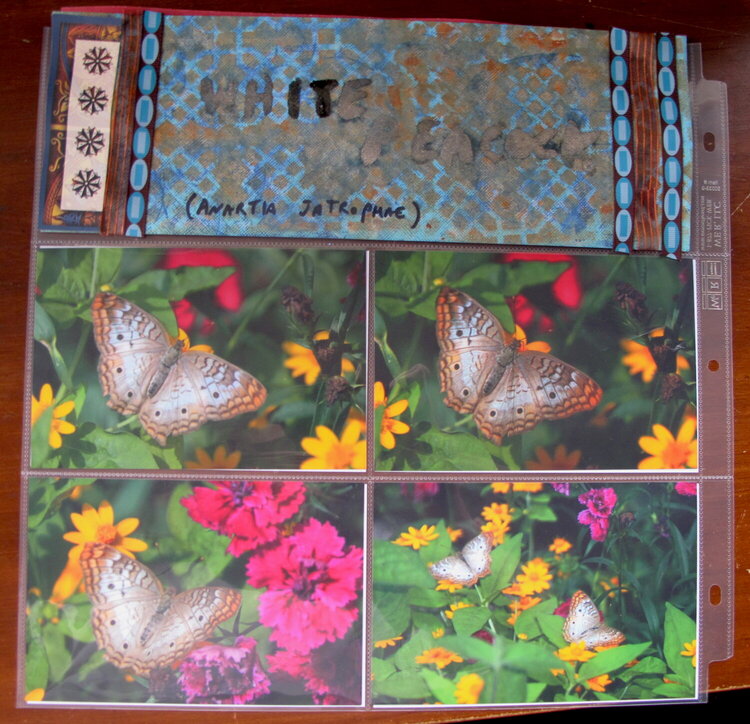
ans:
x=435 y=131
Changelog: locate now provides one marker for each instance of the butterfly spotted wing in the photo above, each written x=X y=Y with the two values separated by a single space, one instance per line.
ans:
x=508 y=390
x=466 y=569
x=137 y=624
x=584 y=623
x=172 y=391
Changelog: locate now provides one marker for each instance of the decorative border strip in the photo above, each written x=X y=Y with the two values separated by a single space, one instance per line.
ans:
x=671 y=156
x=622 y=137
x=145 y=119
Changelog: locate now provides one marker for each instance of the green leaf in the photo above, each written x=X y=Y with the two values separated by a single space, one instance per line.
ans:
x=679 y=629
x=399 y=566
x=119 y=450
x=535 y=660
x=390 y=614
x=459 y=451
x=444 y=690
x=505 y=560
x=44 y=327
x=467 y=621
x=40 y=448
x=58 y=656
x=36 y=666
x=402 y=685
x=611 y=659
x=648 y=666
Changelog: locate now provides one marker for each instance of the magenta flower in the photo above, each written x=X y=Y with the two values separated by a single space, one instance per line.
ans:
x=599 y=503
x=313 y=582
x=249 y=512
x=419 y=491
x=686 y=488
x=223 y=674
x=563 y=488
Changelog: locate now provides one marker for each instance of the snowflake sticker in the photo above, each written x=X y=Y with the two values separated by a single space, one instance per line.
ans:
x=97 y=61
x=86 y=183
x=92 y=100
x=89 y=141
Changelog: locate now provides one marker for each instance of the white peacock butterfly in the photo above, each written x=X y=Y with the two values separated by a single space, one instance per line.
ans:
x=173 y=391
x=474 y=562
x=138 y=624
x=508 y=390
x=584 y=623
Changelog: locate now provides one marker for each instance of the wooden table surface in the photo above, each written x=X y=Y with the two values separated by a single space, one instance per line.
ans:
x=722 y=28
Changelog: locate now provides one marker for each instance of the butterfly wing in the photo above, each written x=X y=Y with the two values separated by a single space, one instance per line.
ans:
x=535 y=387
x=125 y=596
x=476 y=553
x=199 y=387
x=138 y=625
x=473 y=563
x=131 y=343
x=584 y=623
x=189 y=619
x=470 y=339
x=454 y=569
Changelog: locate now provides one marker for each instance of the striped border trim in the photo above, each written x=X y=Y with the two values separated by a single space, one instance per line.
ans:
x=622 y=137
x=145 y=119
x=672 y=146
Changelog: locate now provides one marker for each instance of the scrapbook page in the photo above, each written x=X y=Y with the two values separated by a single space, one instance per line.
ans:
x=285 y=448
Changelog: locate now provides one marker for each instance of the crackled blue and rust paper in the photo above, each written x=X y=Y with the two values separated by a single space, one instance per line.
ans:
x=383 y=129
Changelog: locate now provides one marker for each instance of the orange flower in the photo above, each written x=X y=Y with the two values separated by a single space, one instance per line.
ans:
x=561 y=460
x=439 y=656
x=575 y=652
x=560 y=545
x=599 y=683
x=58 y=426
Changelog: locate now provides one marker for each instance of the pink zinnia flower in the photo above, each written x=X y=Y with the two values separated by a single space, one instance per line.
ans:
x=686 y=488
x=249 y=512
x=599 y=503
x=419 y=491
x=223 y=674
x=313 y=582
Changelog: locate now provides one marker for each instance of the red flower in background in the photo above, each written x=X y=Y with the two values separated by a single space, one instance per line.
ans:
x=249 y=512
x=566 y=290
x=313 y=581
x=228 y=294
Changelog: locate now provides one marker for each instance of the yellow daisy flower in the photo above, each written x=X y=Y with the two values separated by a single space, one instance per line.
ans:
x=331 y=453
x=535 y=577
x=34 y=695
x=302 y=360
x=390 y=426
x=417 y=538
x=220 y=459
x=575 y=652
x=691 y=649
x=439 y=656
x=438 y=633
x=599 y=683
x=468 y=689
x=94 y=526
x=385 y=643
x=640 y=361
x=560 y=545
x=669 y=452
x=58 y=426
x=498 y=519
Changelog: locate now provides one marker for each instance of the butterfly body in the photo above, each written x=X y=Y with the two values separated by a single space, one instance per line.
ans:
x=172 y=391
x=485 y=372
x=138 y=624
x=473 y=563
x=584 y=623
